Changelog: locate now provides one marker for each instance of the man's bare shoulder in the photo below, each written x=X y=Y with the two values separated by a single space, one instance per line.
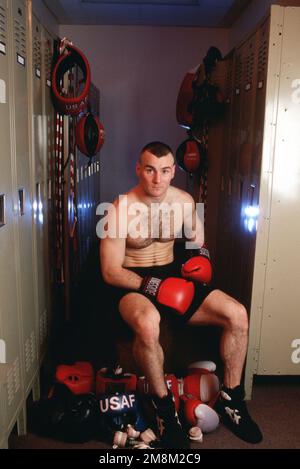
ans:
x=128 y=197
x=179 y=195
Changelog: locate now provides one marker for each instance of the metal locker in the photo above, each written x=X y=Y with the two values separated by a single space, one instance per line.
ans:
x=39 y=170
x=36 y=75
x=223 y=237
x=216 y=151
x=280 y=327
x=232 y=183
x=250 y=200
x=48 y=176
x=241 y=178
x=260 y=98
x=274 y=338
x=23 y=187
x=236 y=111
x=248 y=92
x=228 y=229
x=11 y=389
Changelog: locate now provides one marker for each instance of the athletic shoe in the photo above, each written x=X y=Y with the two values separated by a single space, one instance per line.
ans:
x=169 y=429
x=234 y=414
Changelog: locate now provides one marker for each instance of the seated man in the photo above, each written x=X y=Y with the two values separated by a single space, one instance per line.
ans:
x=137 y=259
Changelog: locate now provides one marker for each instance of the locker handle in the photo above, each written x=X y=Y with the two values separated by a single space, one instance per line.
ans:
x=222 y=183
x=2 y=351
x=229 y=186
x=21 y=201
x=241 y=189
x=2 y=210
x=49 y=186
x=251 y=194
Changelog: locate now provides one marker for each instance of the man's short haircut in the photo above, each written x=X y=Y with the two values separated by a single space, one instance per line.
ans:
x=158 y=149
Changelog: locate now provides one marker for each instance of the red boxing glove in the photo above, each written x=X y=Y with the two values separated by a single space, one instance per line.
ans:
x=198 y=268
x=205 y=387
x=198 y=414
x=176 y=293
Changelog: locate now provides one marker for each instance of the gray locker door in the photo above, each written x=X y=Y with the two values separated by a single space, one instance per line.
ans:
x=23 y=186
x=40 y=179
x=48 y=155
x=11 y=394
x=275 y=293
x=280 y=329
x=243 y=252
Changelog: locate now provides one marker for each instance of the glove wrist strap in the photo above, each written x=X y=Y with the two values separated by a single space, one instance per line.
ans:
x=203 y=252
x=150 y=286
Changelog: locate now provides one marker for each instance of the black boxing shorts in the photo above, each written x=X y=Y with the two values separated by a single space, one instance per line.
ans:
x=163 y=271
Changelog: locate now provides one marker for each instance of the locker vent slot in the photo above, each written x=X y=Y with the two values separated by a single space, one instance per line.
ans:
x=3 y=29
x=2 y=210
x=30 y=351
x=229 y=81
x=45 y=324
x=50 y=145
x=249 y=65
x=48 y=60
x=41 y=330
x=37 y=55
x=32 y=347
x=43 y=327
x=10 y=386
x=20 y=38
x=17 y=375
x=238 y=72
x=262 y=56
x=27 y=355
x=13 y=381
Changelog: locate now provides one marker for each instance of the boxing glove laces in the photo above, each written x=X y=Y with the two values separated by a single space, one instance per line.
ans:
x=198 y=267
x=176 y=293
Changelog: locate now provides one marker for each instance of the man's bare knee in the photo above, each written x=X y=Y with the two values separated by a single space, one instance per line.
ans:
x=146 y=326
x=237 y=317
x=143 y=318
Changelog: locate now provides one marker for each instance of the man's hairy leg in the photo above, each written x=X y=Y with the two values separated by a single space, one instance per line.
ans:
x=219 y=309
x=144 y=319
x=150 y=360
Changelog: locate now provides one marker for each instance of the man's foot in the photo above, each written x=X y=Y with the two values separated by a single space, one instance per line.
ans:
x=234 y=414
x=169 y=429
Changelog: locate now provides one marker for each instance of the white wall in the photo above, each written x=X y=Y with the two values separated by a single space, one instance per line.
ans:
x=138 y=70
x=252 y=16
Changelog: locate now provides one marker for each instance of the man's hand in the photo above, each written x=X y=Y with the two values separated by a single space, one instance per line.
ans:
x=198 y=268
x=176 y=293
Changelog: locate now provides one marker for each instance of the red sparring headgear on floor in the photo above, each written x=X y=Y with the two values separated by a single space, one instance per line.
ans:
x=78 y=377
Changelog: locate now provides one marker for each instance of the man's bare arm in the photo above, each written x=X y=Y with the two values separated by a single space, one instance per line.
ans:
x=194 y=224
x=112 y=252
